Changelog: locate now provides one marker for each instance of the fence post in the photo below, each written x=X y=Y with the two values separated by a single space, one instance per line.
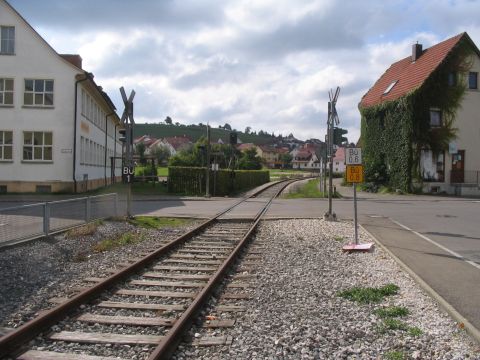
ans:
x=46 y=218
x=87 y=209
x=115 y=205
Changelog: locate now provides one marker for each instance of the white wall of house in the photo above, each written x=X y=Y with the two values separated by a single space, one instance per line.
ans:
x=467 y=122
x=34 y=59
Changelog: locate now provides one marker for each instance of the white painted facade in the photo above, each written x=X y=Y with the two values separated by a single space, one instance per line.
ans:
x=49 y=162
x=467 y=122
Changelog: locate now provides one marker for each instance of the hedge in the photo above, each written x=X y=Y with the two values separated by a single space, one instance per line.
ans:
x=191 y=180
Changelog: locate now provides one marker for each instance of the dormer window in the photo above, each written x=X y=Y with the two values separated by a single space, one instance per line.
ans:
x=390 y=87
x=7 y=40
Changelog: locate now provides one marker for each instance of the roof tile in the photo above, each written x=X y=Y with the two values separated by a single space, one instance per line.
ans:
x=409 y=75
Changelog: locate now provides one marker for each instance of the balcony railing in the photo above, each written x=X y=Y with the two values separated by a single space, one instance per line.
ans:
x=471 y=177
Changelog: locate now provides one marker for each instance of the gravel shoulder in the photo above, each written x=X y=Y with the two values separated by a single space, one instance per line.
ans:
x=295 y=312
x=34 y=272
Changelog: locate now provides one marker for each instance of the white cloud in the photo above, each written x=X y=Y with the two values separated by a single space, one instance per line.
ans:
x=267 y=64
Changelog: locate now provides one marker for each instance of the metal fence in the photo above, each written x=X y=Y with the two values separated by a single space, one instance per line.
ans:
x=465 y=177
x=36 y=220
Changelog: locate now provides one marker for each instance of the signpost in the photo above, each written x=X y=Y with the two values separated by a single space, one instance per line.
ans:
x=128 y=122
x=353 y=156
x=128 y=172
x=332 y=120
x=354 y=175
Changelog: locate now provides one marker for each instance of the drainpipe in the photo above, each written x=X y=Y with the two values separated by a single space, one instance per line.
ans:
x=115 y=154
x=106 y=147
x=87 y=76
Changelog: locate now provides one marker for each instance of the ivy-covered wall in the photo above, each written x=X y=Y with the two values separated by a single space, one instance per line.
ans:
x=386 y=137
x=394 y=133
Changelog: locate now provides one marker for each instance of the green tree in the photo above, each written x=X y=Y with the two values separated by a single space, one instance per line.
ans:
x=286 y=160
x=140 y=150
x=227 y=127
x=192 y=156
x=250 y=160
x=161 y=153
x=168 y=120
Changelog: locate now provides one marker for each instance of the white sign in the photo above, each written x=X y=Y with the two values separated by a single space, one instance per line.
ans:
x=452 y=148
x=353 y=156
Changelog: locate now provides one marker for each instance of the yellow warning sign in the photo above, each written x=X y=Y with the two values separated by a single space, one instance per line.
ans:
x=355 y=173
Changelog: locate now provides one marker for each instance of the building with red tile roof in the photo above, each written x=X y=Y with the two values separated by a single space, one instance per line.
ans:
x=339 y=160
x=420 y=120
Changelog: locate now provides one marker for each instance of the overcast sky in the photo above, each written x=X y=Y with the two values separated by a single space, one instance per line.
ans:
x=266 y=64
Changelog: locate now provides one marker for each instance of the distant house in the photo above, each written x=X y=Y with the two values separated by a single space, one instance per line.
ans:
x=245 y=146
x=420 y=120
x=339 y=160
x=305 y=159
x=58 y=128
x=159 y=143
x=147 y=140
x=307 y=156
x=177 y=143
x=269 y=155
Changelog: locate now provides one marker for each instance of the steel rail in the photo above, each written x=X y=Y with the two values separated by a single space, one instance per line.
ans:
x=12 y=342
x=171 y=340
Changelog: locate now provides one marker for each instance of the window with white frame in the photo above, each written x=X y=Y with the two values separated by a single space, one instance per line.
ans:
x=82 y=150
x=84 y=103
x=7 y=40
x=6 y=145
x=38 y=93
x=435 y=118
x=6 y=91
x=473 y=80
x=37 y=145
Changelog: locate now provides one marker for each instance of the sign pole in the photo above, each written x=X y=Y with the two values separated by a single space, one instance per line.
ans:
x=355 y=211
x=128 y=123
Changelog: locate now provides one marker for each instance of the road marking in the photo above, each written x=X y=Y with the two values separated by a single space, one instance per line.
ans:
x=457 y=255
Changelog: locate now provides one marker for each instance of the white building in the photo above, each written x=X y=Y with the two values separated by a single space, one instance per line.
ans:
x=58 y=129
x=339 y=161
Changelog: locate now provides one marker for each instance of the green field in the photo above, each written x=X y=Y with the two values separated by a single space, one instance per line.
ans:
x=161 y=171
x=278 y=174
x=309 y=190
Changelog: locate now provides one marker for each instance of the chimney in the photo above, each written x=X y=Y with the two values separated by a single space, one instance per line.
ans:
x=416 y=51
x=73 y=59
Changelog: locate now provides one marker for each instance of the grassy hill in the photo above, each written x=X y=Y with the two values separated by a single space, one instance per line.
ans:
x=194 y=132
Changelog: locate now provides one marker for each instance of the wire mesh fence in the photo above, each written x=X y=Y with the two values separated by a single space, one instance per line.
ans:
x=36 y=220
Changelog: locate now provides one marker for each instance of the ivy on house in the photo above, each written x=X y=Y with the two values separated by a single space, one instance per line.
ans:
x=393 y=133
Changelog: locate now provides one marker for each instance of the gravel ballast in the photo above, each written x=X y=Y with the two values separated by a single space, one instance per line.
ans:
x=34 y=272
x=296 y=312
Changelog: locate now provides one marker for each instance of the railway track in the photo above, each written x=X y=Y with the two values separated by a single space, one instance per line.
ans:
x=149 y=304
